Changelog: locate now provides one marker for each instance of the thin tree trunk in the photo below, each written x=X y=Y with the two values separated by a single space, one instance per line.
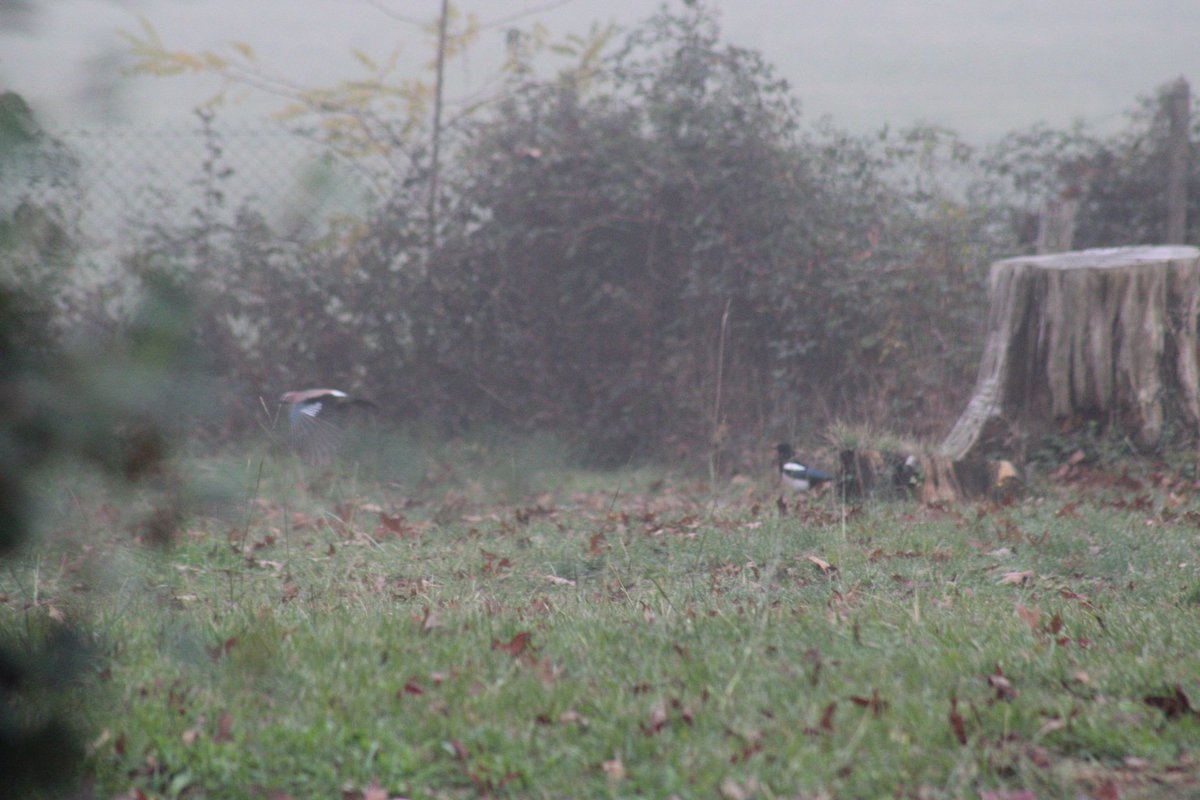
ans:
x=436 y=145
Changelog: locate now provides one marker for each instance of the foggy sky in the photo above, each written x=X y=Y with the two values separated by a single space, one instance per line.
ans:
x=980 y=67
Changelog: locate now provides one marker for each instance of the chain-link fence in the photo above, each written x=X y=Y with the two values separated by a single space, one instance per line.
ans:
x=115 y=182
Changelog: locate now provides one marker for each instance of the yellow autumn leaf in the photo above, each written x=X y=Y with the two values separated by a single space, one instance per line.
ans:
x=244 y=49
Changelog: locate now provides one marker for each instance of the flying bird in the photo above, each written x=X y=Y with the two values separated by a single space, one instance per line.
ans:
x=795 y=475
x=315 y=421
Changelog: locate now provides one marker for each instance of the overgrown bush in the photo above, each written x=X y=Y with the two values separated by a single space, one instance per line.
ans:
x=660 y=251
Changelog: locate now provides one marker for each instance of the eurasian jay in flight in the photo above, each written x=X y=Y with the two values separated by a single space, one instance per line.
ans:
x=314 y=421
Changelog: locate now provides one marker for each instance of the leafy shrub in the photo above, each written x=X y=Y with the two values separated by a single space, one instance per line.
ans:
x=604 y=226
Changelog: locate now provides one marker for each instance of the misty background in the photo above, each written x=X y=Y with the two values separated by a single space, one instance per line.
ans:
x=981 y=68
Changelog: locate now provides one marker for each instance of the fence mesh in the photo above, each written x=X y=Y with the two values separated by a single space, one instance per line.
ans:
x=118 y=181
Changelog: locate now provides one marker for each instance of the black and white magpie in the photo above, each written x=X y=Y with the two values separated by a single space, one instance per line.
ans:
x=313 y=421
x=795 y=475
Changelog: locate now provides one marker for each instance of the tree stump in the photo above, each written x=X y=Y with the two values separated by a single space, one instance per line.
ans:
x=947 y=481
x=877 y=474
x=891 y=475
x=1106 y=334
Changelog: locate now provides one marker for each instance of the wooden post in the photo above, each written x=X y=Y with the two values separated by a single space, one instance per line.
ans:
x=1179 y=113
x=1056 y=225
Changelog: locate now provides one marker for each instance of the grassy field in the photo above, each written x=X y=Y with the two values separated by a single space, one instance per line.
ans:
x=490 y=622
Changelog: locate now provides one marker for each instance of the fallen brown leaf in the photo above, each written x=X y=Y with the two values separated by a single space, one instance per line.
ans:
x=597 y=544
x=222 y=649
x=1039 y=755
x=430 y=620
x=827 y=717
x=396 y=526
x=614 y=770
x=1029 y=615
x=224 y=728
x=1051 y=725
x=875 y=704
x=658 y=720
x=1173 y=705
x=956 y=722
x=515 y=646
x=1079 y=598
x=732 y=790
x=823 y=565
x=1002 y=685
x=571 y=717
x=1136 y=764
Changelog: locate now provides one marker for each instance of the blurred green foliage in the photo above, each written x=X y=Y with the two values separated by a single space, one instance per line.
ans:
x=110 y=403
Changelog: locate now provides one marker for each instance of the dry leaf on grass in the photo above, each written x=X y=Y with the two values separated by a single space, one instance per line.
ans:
x=224 y=728
x=1031 y=616
x=515 y=646
x=1173 y=705
x=957 y=724
x=875 y=704
x=1002 y=685
x=1017 y=578
x=823 y=565
x=614 y=770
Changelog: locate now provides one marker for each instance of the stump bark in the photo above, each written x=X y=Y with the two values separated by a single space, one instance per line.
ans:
x=877 y=474
x=947 y=481
x=890 y=475
x=1106 y=334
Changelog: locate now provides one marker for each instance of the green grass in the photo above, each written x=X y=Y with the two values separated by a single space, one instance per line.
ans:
x=678 y=643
